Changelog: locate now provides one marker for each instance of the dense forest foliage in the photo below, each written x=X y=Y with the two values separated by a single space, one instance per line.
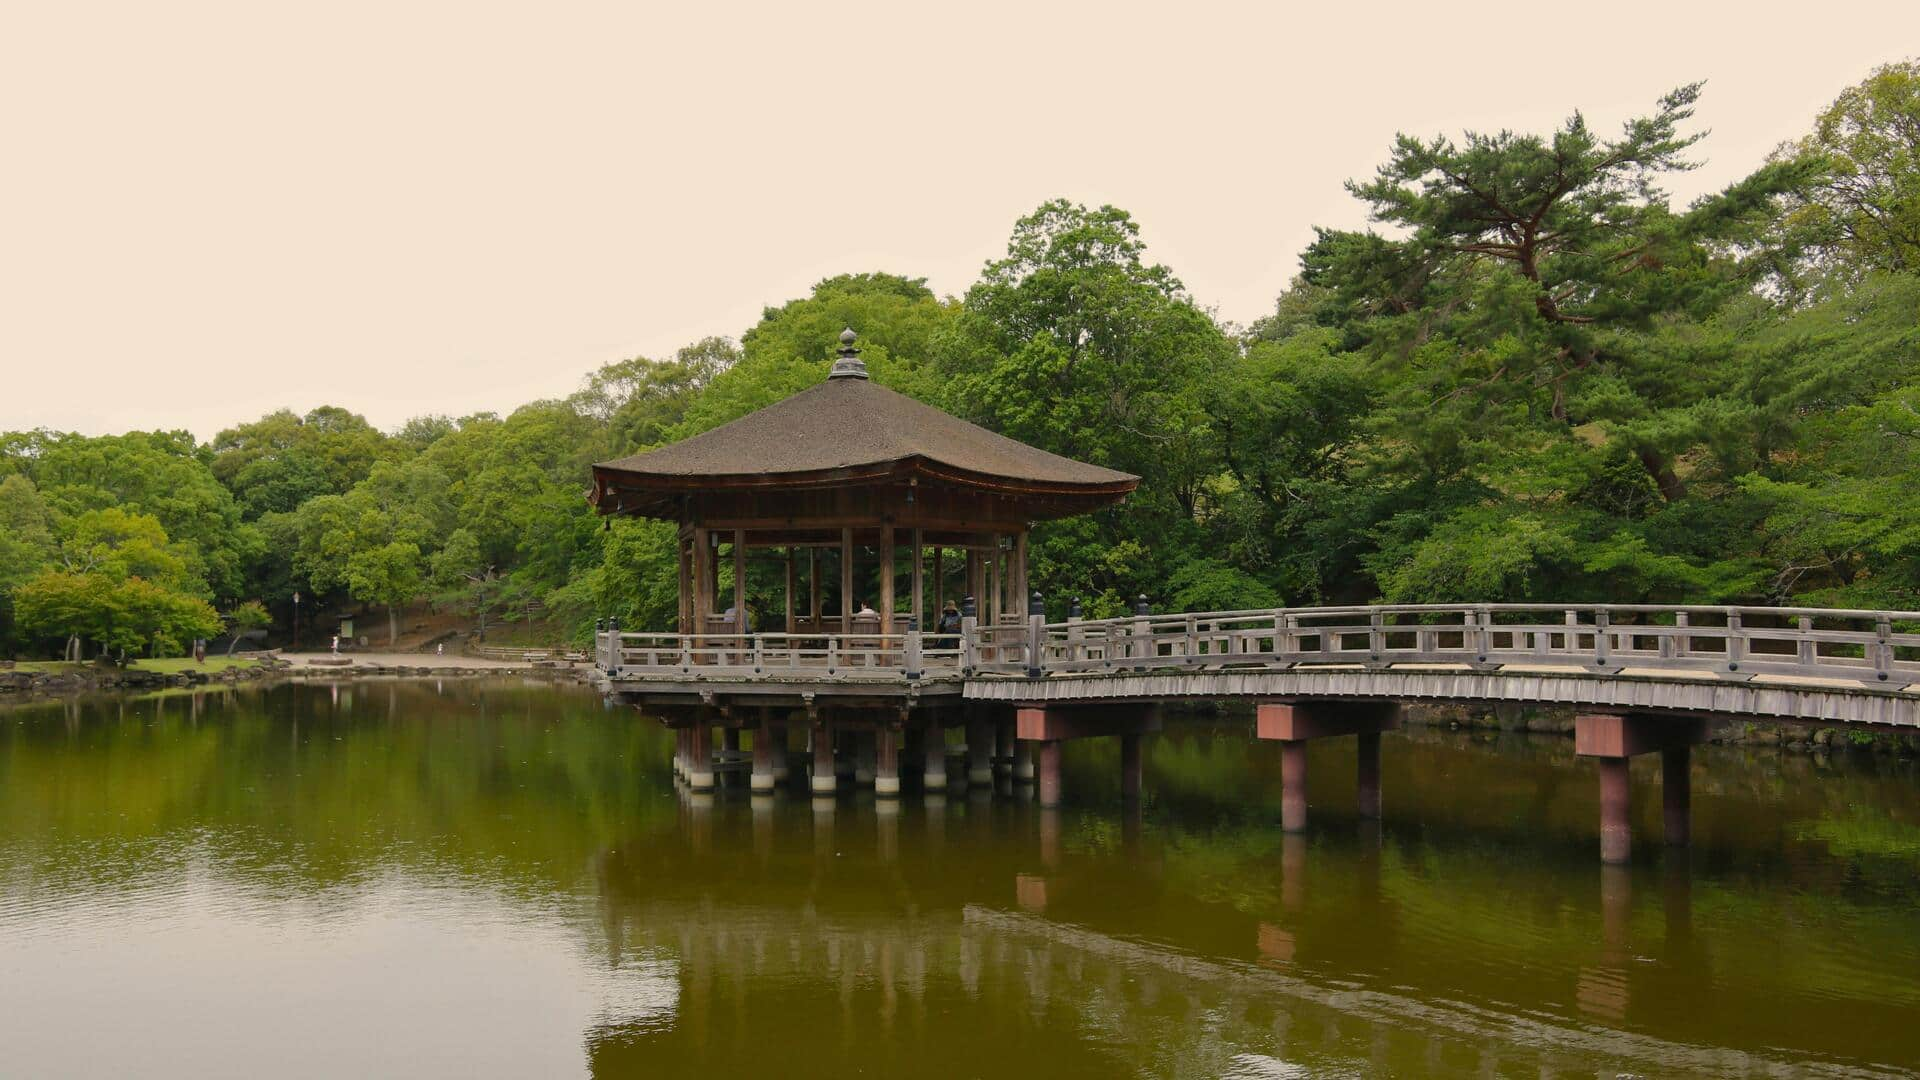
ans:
x=1535 y=378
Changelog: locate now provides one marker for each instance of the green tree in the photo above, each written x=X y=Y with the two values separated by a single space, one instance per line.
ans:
x=1862 y=215
x=388 y=574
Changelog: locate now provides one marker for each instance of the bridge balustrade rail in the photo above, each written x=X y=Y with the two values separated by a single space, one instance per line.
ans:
x=1861 y=646
x=908 y=654
x=1807 y=642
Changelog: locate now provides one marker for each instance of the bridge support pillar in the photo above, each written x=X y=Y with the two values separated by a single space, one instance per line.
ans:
x=1131 y=768
x=1676 y=793
x=1293 y=785
x=979 y=748
x=886 y=763
x=762 y=757
x=700 y=757
x=1003 y=741
x=679 y=753
x=1612 y=739
x=730 y=739
x=1367 y=778
x=826 y=780
x=1295 y=723
x=1050 y=773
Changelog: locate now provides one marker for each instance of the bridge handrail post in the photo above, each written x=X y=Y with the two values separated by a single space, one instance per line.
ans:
x=1602 y=637
x=1280 y=644
x=1376 y=635
x=1883 y=648
x=1479 y=619
x=1805 y=651
x=1143 y=644
x=1192 y=645
x=1682 y=641
x=1573 y=634
x=1736 y=641
x=686 y=654
x=759 y=653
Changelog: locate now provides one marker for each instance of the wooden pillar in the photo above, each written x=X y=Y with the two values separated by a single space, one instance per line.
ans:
x=1132 y=767
x=1050 y=773
x=886 y=763
x=763 y=742
x=1616 y=824
x=790 y=575
x=934 y=743
x=780 y=766
x=1023 y=761
x=846 y=580
x=979 y=748
x=1021 y=590
x=1293 y=785
x=939 y=584
x=1367 y=779
x=824 y=781
x=685 y=548
x=740 y=584
x=992 y=606
x=886 y=577
x=919 y=585
x=1676 y=793
x=700 y=756
x=702 y=580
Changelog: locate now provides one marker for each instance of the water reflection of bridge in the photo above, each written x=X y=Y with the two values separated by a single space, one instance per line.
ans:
x=834 y=931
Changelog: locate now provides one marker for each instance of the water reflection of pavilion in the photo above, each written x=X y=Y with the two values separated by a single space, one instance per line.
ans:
x=822 y=929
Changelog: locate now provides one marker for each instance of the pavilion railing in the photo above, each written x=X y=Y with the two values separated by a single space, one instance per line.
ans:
x=1869 y=647
x=906 y=654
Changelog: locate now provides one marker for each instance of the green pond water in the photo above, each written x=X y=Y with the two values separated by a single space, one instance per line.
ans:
x=499 y=879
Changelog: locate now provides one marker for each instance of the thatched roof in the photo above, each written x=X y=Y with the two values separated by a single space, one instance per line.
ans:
x=850 y=430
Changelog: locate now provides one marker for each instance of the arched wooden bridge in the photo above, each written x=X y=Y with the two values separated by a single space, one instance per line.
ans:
x=1639 y=678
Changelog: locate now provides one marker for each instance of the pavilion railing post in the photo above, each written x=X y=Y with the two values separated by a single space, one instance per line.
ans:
x=1074 y=634
x=759 y=652
x=614 y=657
x=911 y=655
x=969 y=631
x=833 y=652
x=1036 y=635
x=686 y=654
x=1143 y=645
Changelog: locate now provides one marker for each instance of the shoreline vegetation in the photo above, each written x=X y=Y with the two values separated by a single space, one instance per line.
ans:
x=1532 y=376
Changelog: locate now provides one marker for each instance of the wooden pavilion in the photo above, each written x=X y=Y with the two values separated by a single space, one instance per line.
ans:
x=848 y=480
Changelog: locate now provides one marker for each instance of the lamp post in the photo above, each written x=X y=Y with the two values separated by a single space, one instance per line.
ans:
x=296 y=622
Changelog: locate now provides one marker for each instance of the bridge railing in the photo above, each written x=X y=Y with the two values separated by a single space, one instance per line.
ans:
x=1861 y=646
x=909 y=654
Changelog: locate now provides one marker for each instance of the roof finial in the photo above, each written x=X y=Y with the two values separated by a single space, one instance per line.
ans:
x=849 y=365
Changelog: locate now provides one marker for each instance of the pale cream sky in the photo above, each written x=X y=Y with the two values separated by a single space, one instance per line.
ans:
x=211 y=210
